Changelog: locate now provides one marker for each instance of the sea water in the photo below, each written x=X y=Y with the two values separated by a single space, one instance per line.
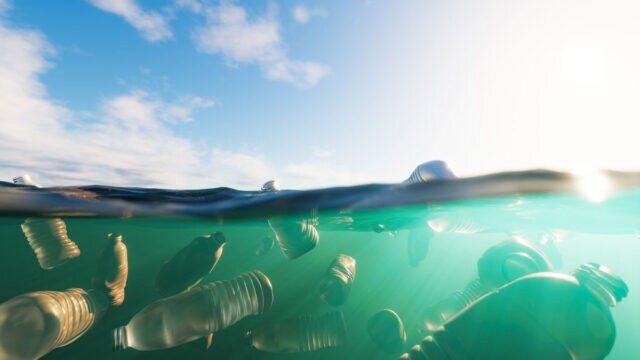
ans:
x=370 y=224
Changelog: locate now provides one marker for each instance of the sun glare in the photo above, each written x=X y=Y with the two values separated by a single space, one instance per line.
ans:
x=582 y=62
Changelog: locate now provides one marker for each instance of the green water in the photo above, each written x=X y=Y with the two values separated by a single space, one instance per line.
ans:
x=606 y=233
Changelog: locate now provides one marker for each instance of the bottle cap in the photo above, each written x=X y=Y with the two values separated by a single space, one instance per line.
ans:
x=602 y=282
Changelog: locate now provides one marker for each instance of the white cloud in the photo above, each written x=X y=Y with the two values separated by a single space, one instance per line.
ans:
x=320 y=152
x=310 y=175
x=139 y=109
x=128 y=141
x=191 y=5
x=152 y=25
x=230 y=32
x=243 y=169
x=303 y=14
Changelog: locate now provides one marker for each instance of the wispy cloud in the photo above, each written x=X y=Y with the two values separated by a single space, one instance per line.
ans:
x=191 y=5
x=302 y=14
x=129 y=140
x=230 y=32
x=320 y=152
x=152 y=25
x=315 y=174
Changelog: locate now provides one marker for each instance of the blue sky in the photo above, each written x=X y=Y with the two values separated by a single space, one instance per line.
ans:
x=190 y=93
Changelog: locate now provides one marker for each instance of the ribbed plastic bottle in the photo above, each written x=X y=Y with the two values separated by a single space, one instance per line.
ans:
x=301 y=334
x=499 y=265
x=547 y=316
x=33 y=324
x=112 y=269
x=196 y=313
x=430 y=170
x=49 y=240
x=295 y=237
x=337 y=281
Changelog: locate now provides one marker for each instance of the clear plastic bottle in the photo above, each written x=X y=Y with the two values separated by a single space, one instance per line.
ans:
x=540 y=316
x=499 y=265
x=337 y=281
x=386 y=330
x=295 y=237
x=112 y=269
x=33 y=324
x=190 y=265
x=196 y=313
x=430 y=170
x=301 y=334
x=49 y=240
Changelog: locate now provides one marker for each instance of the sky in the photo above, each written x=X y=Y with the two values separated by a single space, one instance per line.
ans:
x=200 y=94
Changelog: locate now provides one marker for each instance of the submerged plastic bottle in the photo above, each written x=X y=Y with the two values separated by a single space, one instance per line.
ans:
x=112 y=269
x=190 y=265
x=33 y=324
x=547 y=316
x=295 y=237
x=337 y=281
x=196 y=313
x=499 y=265
x=386 y=330
x=301 y=334
x=49 y=240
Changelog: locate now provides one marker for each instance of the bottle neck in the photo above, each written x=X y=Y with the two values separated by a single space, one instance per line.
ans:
x=120 y=341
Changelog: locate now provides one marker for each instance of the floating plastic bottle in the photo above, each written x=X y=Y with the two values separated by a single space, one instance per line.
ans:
x=295 y=237
x=24 y=180
x=387 y=331
x=190 y=265
x=547 y=316
x=270 y=185
x=196 y=313
x=418 y=243
x=499 y=265
x=33 y=324
x=431 y=170
x=301 y=334
x=337 y=281
x=112 y=269
x=49 y=240
x=264 y=245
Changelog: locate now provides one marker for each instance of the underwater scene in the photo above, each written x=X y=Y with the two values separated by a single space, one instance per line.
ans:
x=527 y=265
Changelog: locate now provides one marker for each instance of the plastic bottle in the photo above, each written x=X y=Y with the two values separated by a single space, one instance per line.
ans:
x=264 y=245
x=49 y=240
x=33 y=324
x=112 y=269
x=430 y=170
x=386 y=330
x=295 y=237
x=190 y=265
x=499 y=265
x=337 y=281
x=547 y=316
x=301 y=334
x=196 y=313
